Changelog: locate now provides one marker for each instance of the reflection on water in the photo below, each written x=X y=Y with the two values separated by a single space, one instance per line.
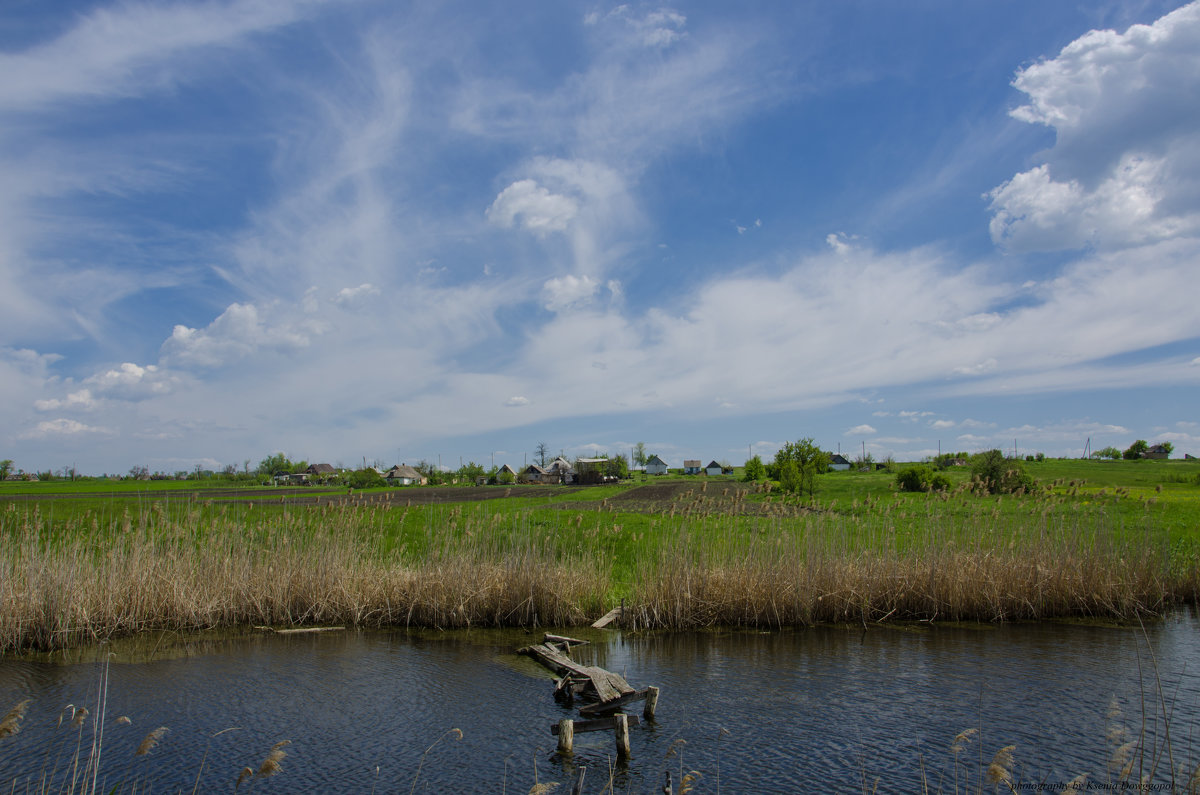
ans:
x=811 y=710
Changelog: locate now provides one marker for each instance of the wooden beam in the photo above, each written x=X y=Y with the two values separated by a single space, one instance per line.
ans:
x=607 y=618
x=595 y=725
x=614 y=704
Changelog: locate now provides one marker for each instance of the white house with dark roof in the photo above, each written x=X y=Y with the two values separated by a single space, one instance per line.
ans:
x=656 y=466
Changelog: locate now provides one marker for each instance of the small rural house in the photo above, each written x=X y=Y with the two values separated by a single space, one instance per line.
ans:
x=404 y=475
x=713 y=468
x=1158 y=451
x=320 y=472
x=505 y=472
x=561 y=469
x=838 y=462
x=656 y=466
x=535 y=474
x=691 y=466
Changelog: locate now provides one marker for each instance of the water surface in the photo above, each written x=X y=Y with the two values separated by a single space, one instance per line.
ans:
x=825 y=709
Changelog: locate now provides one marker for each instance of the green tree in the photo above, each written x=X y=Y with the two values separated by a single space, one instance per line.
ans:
x=5 y=468
x=1136 y=450
x=639 y=454
x=790 y=477
x=276 y=464
x=809 y=459
x=1167 y=447
x=468 y=472
x=1107 y=452
x=365 y=479
x=996 y=474
x=754 y=470
x=617 y=466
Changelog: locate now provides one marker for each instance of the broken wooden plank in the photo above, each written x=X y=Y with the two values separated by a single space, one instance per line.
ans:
x=300 y=630
x=608 y=618
x=614 y=704
x=596 y=724
x=561 y=639
x=605 y=685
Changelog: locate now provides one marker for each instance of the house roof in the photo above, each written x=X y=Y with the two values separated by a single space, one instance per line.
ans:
x=507 y=468
x=559 y=464
x=321 y=469
x=692 y=462
x=713 y=465
x=535 y=470
x=403 y=471
x=655 y=460
x=838 y=458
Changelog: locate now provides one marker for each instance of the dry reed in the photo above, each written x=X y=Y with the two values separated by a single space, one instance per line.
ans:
x=86 y=579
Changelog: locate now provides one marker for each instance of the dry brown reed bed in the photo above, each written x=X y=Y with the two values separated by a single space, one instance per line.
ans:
x=64 y=586
x=81 y=580
x=821 y=572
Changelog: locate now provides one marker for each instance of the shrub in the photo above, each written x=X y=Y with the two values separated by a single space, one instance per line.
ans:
x=366 y=479
x=921 y=478
x=997 y=475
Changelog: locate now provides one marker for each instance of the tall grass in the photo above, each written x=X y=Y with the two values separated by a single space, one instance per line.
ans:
x=66 y=584
x=710 y=558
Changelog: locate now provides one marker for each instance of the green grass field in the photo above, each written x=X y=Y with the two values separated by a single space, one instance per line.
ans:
x=86 y=561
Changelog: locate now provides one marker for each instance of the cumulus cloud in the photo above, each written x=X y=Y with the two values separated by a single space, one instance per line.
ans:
x=351 y=296
x=539 y=210
x=132 y=381
x=63 y=427
x=517 y=401
x=861 y=430
x=565 y=292
x=1124 y=169
x=76 y=400
x=237 y=333
x=941 y=424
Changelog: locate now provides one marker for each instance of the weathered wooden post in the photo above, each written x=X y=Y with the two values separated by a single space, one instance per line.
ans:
x=566 y=735
x=651 y=703
x=622 y=733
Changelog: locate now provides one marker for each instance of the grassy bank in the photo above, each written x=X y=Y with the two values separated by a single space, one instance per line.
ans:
x=719 y=553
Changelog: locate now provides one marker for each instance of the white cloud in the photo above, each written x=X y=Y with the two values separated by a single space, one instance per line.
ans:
x=565 y=292
x=539 y=210
x=115 y=51
x=978 y=368
x=942 y=424
x=861 y=430
x=130 y=380
x=352 y=296
x=63 y=427
x=75 y=400
x=1125 y=168
x=655 y=29
x=236 y=334
x=517 y=401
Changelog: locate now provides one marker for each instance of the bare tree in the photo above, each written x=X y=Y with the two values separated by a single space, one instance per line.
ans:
x=540 y=451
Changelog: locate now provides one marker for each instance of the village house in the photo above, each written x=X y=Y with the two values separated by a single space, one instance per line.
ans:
x=656 y=466
x=691 y=466
x=713 y=468
x=404 y=475
x=1157 y=451
x=838 y=462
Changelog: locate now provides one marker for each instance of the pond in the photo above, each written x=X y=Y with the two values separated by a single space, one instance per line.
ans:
x=824 y=709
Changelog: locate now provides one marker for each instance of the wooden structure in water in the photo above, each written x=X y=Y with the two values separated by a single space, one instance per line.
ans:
x=605 y=692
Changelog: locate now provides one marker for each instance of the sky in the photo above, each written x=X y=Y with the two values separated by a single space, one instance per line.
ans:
x=378 y=231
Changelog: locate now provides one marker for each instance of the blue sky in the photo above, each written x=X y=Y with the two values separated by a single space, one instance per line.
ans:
x=402 y=231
